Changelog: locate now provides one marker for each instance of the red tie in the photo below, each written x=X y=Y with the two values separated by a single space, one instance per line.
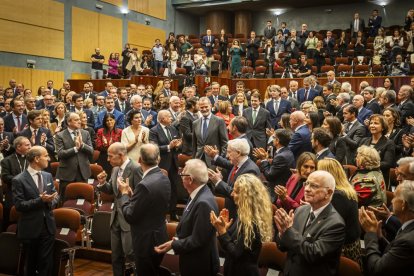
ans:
x=233 y=173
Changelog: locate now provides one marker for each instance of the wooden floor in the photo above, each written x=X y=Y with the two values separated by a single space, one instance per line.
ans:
x=88 y=268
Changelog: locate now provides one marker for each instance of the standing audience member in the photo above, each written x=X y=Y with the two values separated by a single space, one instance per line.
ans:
x=252 y=46
x=110 y=108
x=16 y=121
x=97 y=65
x=186 y=125
x=134 y=136
x=354 y=132
x=321 y=139
x=301 y=139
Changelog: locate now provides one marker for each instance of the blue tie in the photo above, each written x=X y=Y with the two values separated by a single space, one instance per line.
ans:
x=205 y=128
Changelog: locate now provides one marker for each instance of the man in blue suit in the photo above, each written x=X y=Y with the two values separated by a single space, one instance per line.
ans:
x=110 y=107
x=301 y=139
x=16 y=121
x=77 y=100
x=277 y=106
x=208 y=43
x=321 y=139
x=374 y=23
x=108 y=87
x=307 y=93
x=363 y=113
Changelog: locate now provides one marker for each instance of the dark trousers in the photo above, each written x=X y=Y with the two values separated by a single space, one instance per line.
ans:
x=64 y=183
x=121 y=246
x=175 y=180
x=39 y=254
x=253 y=59
x=157 y=67
x=148 y=266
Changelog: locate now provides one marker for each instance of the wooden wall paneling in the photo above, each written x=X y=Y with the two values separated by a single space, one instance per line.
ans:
x=242 y=23
x=32 y=40
x=40 y=77
x=42 y=13
x=114 y=2
x=109 y=35
x=80 y=76
x=157 y=8
x=143 y=36
x=217 y=20
x=84 y=34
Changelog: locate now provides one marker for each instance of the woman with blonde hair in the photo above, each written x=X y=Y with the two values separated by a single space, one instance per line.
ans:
x=58 y=121
x=158 y=88
x=225 y=91
x=239 y=104
x=242 y=243
x=267 y=96
x=88 y=103
x=345 y=201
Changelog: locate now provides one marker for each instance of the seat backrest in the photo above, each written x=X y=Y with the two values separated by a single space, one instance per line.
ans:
x=9 y=263
x=80 y=190
x=95 y=170
x=271 y=257
x=171 y=229
x=53 y=168
x=67 y=218
x=100 y=232
x=182 y=158
x=220 y=202
x=60 y=258
x=1 y=213
x=348 y=267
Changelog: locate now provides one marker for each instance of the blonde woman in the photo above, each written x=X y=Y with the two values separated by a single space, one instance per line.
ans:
x=46 y=119
x=225 y=91
x=88 y=103
x=58 y=121
x=158 y=88
x=267 y=96
x=239 y=104
x=345 y=201
x=242 y=243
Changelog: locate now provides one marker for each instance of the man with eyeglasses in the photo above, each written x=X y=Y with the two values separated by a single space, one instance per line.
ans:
x=312 y=236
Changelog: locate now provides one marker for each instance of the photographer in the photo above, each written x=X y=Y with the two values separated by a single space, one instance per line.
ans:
x=125 y=59
x=293 y=44
x=279 y=42
x=399 y=67
x=304 y=69
x=269 y=51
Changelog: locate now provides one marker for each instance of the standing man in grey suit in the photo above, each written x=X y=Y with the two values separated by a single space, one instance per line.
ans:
x=258 y=119
x=196 y=237
x=34 y=197
x=270 y=31
x=145 y=209
x=208 y=130
x=124 y=168
x=74 y=149
x=312 y=236
x=354 y=131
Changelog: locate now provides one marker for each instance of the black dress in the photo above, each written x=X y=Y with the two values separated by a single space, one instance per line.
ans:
x=239 y=260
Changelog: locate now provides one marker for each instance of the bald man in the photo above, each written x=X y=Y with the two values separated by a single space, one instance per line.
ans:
x=301 y=139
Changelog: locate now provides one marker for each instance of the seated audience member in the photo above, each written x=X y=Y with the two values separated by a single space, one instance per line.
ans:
x=337 y=146
x=110 y=108
x=321 y=139
x=383 y=258
x=314 y=235
x=371 y=103
x=399 y=67
x=278 y=171
x=394 y=132
x=238 y=164
x=106 y=136
x=304 y=69
x=242 y=241
x=385 y=147
x=289 y=197
x=368 y=180
x=345 y=201
x=196 y=237
x=300 y=141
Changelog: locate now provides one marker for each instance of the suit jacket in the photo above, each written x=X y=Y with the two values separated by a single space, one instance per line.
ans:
x=9 y=122
x=208 y=49
x=49 y=144
x=226 y=188
x=95 y=112
x=256 y=131
x=325 y=154
x=311 y=95
x=196 y=242
x=278 y=172
x=169 y=157
x=10 y=149
x=300 y=141
x=34 y=212
x=406 y=110
x=364 y=114
x=361 y=26
x=10 y=167
x=219 y=98
x=318 y=88
x=315 y=250
x=133 y=172
x=119 y=119
x=374 y=24
x=397 y=258
x=70 y=160
x=253 y=47
x=374 y=106
x=284 y=107
x=91 y=96
x=352 y=139
x=145 y=211
x=216 y=136
x=126 y=108
x=89 y=116
x=329 y=107
x=186 y=130
x=269 y=34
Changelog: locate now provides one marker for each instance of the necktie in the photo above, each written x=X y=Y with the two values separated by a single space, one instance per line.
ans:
x=168 y=134
x=310 y=220
x=276 y=106
x=254 y=115
x=35 y=134
x=39 y=182
x=74 y=135
x=348 y=127
x=18 y=123
x=233 y=173
x=205 y=126
x=306 y=95
x=123 y=107
x=295 y=96
x=188 y=204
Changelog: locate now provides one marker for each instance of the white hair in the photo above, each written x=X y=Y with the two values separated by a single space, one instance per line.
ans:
x=162 y=114
x=174 y=98
x=407 y=193
x=346 y=87
x=345 y=97
x=327 y=179
x=135 y=98
x=240 y=145
x=197 y=169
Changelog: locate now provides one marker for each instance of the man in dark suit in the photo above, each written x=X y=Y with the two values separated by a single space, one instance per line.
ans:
x=343 y=100
x=35 y=196
x=77 y=100
x=315 y=85
x=166 y=90
x=168 y=140
x=397 y=256
x=252 y=48
x=207 y=43
x=303 y=35
x=356 y=25
x=270 y=31
x=277 y=106
x=125 y=168
x=374 y=23
x=301 y=139
x=11 y=166
x=145 y=211
x=314 y=225
x=150 y=116
x=279 y=170
x=354 y=132
x=16 y=121
x=53 y=91
x=122 y=104
x=239 y=163
x=196 y=237
x=329 y=96
x=258 y=120
x=370 y=100
x=186 y=125
x=88 y=93
x=237 y=128
x=306 y=93
x=406 y=106
x=108 y=86
x=363 y=113
x=321 y=139
x=208 y=130
x=6 y=140
x=215 y=97
x=74 y=150
x=110 y=107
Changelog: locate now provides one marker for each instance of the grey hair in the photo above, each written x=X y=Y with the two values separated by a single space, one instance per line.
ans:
x=240 y=145
x=197 y=169
x=135 y=98
x=346 y=86
x=174 y=98
x=118 y=148
x=162 y=114
x=407 y=193
x=345 y=97
x=19 y=140
x=370 y=89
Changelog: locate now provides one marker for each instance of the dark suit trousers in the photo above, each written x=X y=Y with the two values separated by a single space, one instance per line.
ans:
x=63 y=183
x=253 y=59
x=39 y=254
x=121 y=246
x=175 y=180
x=148 y=266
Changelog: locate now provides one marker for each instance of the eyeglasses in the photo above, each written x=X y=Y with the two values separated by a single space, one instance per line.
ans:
x=312 y=185
x=183 y=175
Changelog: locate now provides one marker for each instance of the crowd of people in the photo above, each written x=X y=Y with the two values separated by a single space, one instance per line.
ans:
x=278 y=49
x=324 y=156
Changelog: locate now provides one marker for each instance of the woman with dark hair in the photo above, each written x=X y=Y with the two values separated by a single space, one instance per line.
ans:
x=395 y=132
x=225 y=113
x=222 y=49
x=388 y=84
x=290 y=196
x=113 y=63
x=106 y=136
x=312 y=120
x=319 y=102
x=338 y=146
x=378 y=128
x=134 y=136
x=285 y=121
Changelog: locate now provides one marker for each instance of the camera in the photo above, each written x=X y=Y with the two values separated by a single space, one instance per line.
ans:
x=147 y=21
x=31 y=63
